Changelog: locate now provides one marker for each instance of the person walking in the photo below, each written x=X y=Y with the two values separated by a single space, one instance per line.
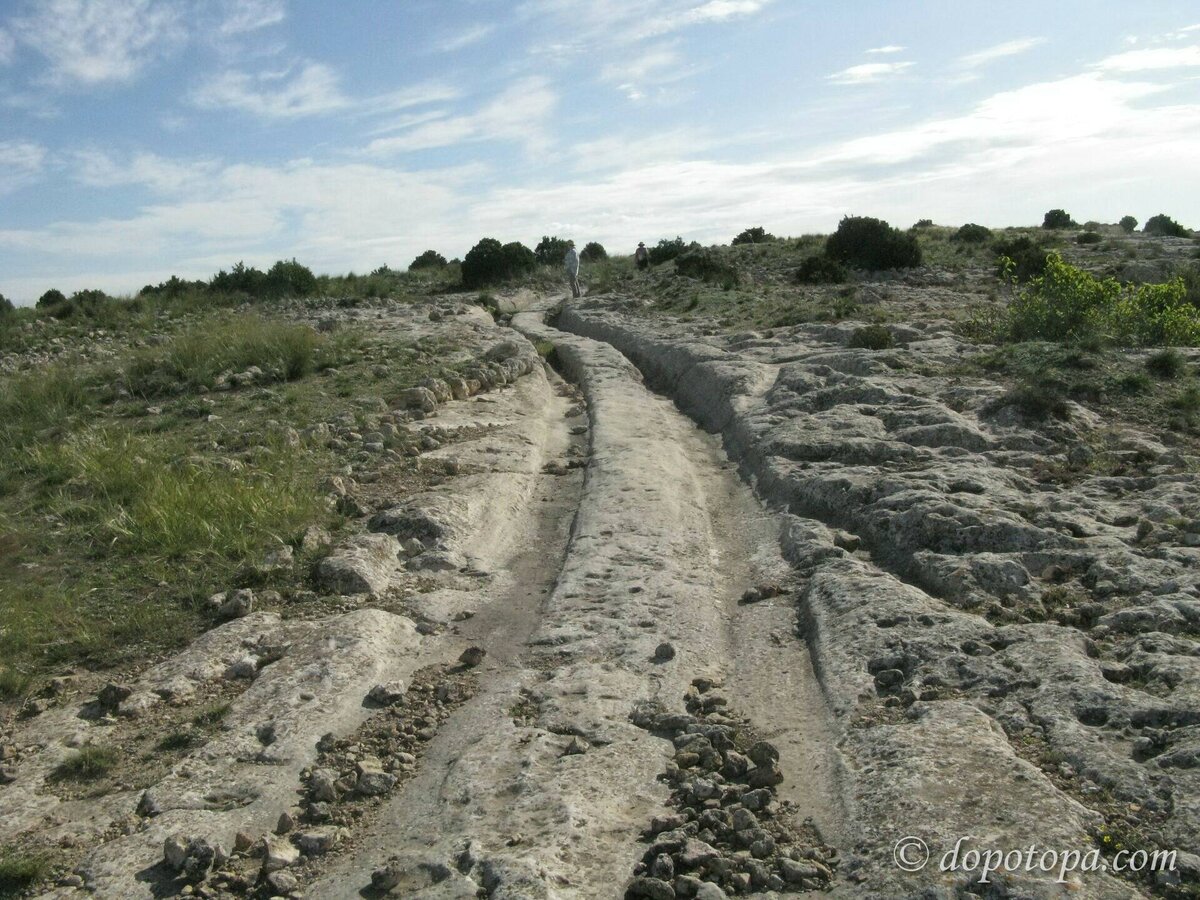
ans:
x=642 y=256
x=572 y=263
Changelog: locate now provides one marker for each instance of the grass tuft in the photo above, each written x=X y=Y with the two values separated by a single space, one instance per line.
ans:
x=87 y=764
x=20 y=871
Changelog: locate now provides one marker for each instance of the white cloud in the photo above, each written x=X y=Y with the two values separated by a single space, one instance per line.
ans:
x=999 y=51
x=289 y=94
x=166 y=176
x=1152 y=60
x=8 y=48
x=869 y=72
x=593 y=22
x=242 y=16
x=465 y=38
x=20 y=163
x=890 y=48
x=654 y=65
x=518 y=114
x=90 y=42
x=623 y=151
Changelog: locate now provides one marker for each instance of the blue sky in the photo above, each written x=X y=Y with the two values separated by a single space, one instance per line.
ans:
x=143 y=138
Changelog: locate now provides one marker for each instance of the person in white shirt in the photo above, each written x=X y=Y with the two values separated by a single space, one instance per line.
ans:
x=572 y=263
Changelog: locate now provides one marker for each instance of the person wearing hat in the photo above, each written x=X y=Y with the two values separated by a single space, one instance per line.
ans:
x=642 y=256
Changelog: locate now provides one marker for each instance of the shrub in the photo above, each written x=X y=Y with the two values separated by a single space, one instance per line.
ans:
x=290 y=279
x=1190 y=275
x=1164 y=226
x=972 y=234
x=490 y=262
x=1088 y=237
x=550 y=251
x=1167 y=363
x=1058 y=218
x=241 y=279
x=871 y=337
x=820 y=269
x=1067 y=304
x=666 y=250
x=430 y=259
x=1025 y=259
x=755 y=235
x=1037 y=397
x=6 y=307
x=924 y=223
x=171 y=288
x=872 y=244
x=52 y=297
x=593 y=252
x=707 y=265
x=1128 y=224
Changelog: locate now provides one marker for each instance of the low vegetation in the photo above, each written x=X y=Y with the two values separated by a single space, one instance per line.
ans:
x=1058 y=218
x=86 y=764
x=865 y=243
x=20 y=870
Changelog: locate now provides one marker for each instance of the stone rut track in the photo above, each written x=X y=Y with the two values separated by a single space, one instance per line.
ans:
x=663 y=541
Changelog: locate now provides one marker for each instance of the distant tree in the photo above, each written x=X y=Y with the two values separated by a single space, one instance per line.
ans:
x=550 y=251
x=288 y=278
x=430 y=259
x=755 y=235
x=240 y=279
x=1029 y=259
x=923 y=223
x=666 y=250
x=52 y=297
x=1058 y=218
x=1128 y=224
x=593 y=252
x=1164 y=226
x=489 y=262
x=872 y=244
x=6 y=307
x=972 y=234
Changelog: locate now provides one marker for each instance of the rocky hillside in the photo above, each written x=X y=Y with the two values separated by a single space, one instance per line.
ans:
x=719 y=582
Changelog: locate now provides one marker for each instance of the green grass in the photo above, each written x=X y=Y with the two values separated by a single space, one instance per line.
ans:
x=211 y=715
x=198 y=357
x=177 y=740
x=20 y=871
x=86 y=764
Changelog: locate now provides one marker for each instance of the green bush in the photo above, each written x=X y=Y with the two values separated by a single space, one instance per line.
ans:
x=708 y=266
x=593 y=252
x=868 y=243
x=6 y=307
x=1164 y=226
x=52 y=297
x=1128 y=224
x=1167 y=363
x=1058 y=218
x=666 y=250
x=972 y=234
x=1088 y=237
x=550 y=251
x=290 y=279
x=1037 y=397
x=820 y=269
x=490 y=262
x=1069 y=304
x=1020 y=257
x=430 y=259
x=923 y=223
x=755 y=235
x=871 y=337
x=171 y=288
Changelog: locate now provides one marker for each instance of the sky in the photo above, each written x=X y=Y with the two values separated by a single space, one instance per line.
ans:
x=145 y=138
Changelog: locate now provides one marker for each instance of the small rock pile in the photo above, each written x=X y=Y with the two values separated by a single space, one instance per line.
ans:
x=351 y=774
x=729 y=834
